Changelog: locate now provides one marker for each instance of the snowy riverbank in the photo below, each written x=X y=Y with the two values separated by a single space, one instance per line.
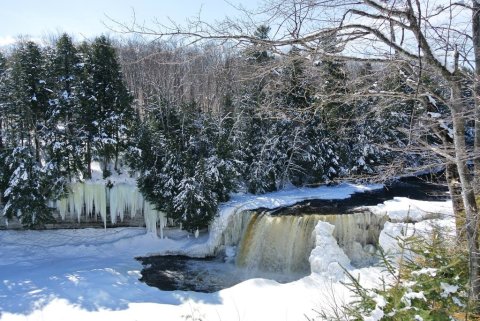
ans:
x=91 y=274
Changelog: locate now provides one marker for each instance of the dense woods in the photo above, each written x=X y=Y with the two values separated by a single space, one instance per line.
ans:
x=196 y=123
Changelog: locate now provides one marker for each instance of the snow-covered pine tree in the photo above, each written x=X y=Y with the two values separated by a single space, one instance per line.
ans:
x=196 y=202
x=29 y=95
x=112 y=100
x=64 y=144
x=4 y=116
x=29 y=177
x=29 y=188
x=185 y=163
x=85 y=102
x=3 y=97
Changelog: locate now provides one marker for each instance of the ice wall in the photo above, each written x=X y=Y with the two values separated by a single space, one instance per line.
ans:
x=89 y=201
x=357 y=234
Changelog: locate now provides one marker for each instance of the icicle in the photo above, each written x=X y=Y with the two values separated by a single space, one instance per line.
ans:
x=95 y=195
x=153 y=218
x=161 y=219
x=124 y=198
x=137 y=204
x=77 y=200
x=150 y=215
x=62 y=207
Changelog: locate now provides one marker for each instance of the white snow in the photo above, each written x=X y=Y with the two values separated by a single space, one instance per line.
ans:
x=402 y=209
x=91 y=274
x=447 y=289
x=327 y=258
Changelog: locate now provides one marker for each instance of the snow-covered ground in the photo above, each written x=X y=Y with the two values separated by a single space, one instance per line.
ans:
x=91 y=274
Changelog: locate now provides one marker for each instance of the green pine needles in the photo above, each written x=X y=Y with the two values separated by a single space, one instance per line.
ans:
x=428 y=281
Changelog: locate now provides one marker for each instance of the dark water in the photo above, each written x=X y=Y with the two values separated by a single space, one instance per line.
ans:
x=411 y=187
x=170 y=273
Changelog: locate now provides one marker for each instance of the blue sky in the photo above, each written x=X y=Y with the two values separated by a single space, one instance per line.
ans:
x=86 y=18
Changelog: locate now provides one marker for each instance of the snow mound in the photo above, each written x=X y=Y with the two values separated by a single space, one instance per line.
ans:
x=327 y=258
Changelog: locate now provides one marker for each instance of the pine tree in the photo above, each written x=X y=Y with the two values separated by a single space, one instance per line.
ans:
x=3 y=97
x=85 y=102
x=185 y=163
x=4 y=115
x=64 y=135
x=112 y=100
x=30 y=188
x=29 y=94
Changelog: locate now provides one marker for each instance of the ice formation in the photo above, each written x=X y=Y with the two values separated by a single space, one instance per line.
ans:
x=94 y=199
x=327 y=258
x=153 y=219
x=124 y=199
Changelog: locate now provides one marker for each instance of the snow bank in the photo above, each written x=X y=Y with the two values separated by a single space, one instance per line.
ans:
x=402 y=209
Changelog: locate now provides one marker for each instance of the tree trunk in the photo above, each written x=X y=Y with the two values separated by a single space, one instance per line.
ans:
x=476 y=51
x=37 y=147
x=455 y=189
x=88 y=160
x=468 y=195
x=1 y=136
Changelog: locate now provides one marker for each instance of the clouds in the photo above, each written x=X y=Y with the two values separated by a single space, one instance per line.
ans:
x=6 y=40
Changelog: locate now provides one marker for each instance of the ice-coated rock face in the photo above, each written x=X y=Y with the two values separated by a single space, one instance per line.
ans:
x=90 y=199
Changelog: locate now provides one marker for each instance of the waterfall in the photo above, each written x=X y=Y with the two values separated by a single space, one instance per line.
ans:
x=284 y=243
x=277 y=244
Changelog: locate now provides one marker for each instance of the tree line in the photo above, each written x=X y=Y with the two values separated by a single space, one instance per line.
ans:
x=196 y=123
x=270 y=123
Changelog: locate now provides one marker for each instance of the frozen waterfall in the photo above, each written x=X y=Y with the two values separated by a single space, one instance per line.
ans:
x=90 y=200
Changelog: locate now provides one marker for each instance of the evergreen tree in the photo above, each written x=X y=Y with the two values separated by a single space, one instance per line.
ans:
x=87 y=113
x=111 y=99
x=185 y=164
x=30 y=188
x=64 y=135
x=29 y=95
x=4 y=116
x=3 y=97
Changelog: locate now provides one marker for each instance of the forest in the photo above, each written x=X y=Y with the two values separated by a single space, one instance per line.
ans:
x=316 y=94
x=201 y=122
